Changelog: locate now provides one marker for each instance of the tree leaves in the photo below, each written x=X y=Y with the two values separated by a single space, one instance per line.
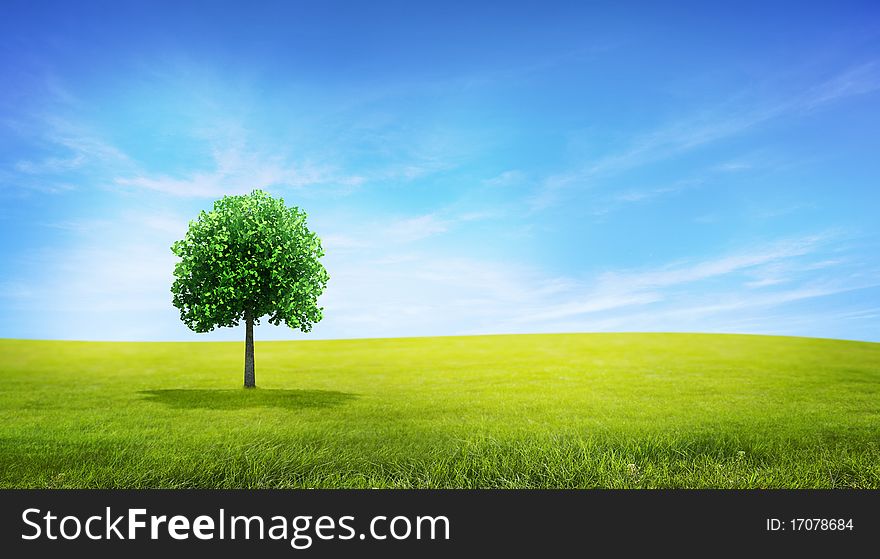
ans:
x=249 y=253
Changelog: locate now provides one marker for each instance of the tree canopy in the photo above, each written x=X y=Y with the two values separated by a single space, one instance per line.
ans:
x=249 y=257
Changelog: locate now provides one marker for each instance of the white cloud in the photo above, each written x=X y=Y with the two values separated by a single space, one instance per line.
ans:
x=593 y=303
x=339 y=242
x=51 y=165
x=656 y=145
x=425 y=294
x=631 y=196
x=764 y=282
x=416 y=228
x=703 y=128
x=72 y=151
x=733 y=167
x=507 y=178
x=239 y=166
x=80 y=225
x=859 y=80
x=115 y=285
x=358 y=234
x=732 y=312
x=171 y=225
x=237 y=173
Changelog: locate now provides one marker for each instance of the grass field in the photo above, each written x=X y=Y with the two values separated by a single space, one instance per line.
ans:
x=549 y=411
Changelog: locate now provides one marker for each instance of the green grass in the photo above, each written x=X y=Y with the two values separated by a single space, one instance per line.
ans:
x=549 y=411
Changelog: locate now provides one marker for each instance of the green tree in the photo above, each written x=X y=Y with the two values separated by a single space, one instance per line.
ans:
x=250 y=256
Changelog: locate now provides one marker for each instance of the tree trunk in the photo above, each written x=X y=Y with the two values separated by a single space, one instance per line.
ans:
x=249 y=381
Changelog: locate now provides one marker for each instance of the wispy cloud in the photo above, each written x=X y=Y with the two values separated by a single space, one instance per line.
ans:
x=706 y=127
x=70 y=151
x=733 y=166
x=657 y=145
x=858 y=80
x=506 y=178
x=777 y=273
x=614 y=201
x=51 y=165
x=670 y=284
x=416 y=228
x=428 y=190
x=235 y=173
x=688 y=272
x=734 y=313
x=80 y=226
x=75 y=151
x=347 y=233
x=392 y=296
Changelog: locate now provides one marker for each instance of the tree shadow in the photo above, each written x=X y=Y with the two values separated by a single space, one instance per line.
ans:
x=237 y=399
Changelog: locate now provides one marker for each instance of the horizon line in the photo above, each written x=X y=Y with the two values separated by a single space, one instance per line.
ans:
x=500 y=334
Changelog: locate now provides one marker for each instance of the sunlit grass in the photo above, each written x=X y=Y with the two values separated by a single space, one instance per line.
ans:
x=591 y=410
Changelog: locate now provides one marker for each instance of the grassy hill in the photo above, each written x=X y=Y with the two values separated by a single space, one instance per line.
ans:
x=579 y=410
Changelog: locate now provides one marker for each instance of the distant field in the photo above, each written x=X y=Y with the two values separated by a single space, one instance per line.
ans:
x=548 y=411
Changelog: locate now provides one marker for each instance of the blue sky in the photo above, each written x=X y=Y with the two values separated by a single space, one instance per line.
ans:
x=471 y=167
